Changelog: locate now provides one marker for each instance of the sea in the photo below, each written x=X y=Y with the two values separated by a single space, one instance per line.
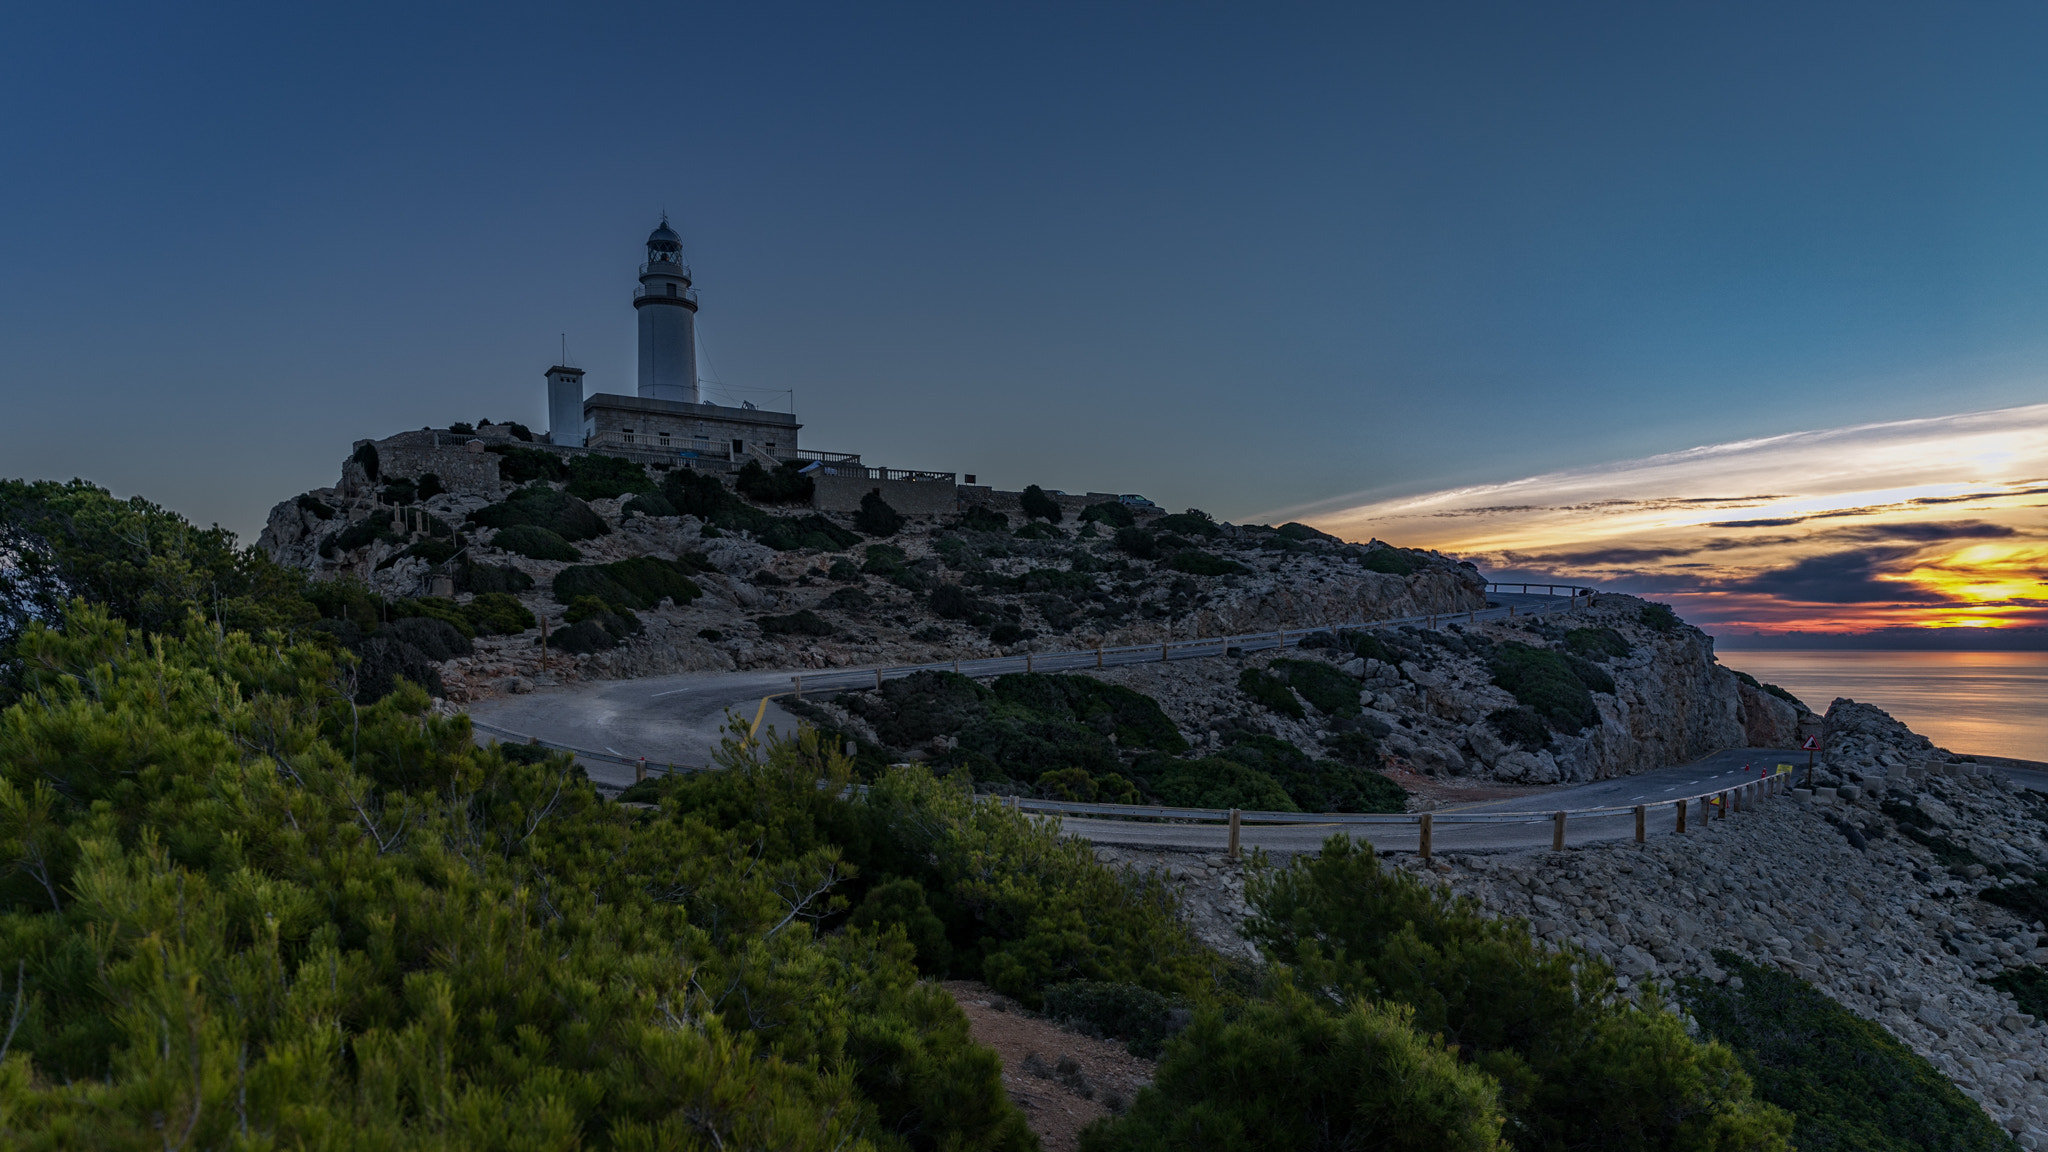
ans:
x=1988 y=703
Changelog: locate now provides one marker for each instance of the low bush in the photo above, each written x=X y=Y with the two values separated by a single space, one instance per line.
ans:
x=1660 y=618
x=543 y=507
x=1270 y=690
x=584 y=636
x=1198 y=563
x=1038 y=530
x=787 y=534
x=362 y=533
x=844 y=571
x=1787 y=697
x=437 y=639
x=1390 y=561
x=1580 y=1066
x=2028 y=900
x=883 y=560
x=497 y=614
x=641 y=582
x=485 y=579
x=1848 y=1083
x=383 y=662
x=1136 y=543
x=1598 y=644
x=1110 y=512
x=954 y=602
x=1289 y=1074
x=430 y=486
x=1140 y=1017
x=1216 y=782
x=1037 y=505
x=524 y=466
x=982 y=518
x=307 y=502
x=785 y=485
x=1329 y=688
x=1520 y=726
x=1007 y=633
x=433 y=608
x=901 y=903
x=595 y=476
x=1136 y=719
x=2028 y=986
x=801 y=623
x=1358 y=749
x=1317 y=785
x=876 y=518
x=848 y=600
x=649 y=504
x=1544 y=681
x=1193 y=522
x=535 y=543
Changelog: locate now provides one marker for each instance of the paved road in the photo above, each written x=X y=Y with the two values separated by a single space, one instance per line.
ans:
x=676 y=719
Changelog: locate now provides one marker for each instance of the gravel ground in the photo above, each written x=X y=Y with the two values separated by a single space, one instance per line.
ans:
x=1062 y=1080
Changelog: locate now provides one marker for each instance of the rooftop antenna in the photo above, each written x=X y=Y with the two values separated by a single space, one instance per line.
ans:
x=565 y=350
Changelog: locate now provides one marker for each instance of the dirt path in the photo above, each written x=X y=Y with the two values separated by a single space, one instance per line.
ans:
x=1062 y=1080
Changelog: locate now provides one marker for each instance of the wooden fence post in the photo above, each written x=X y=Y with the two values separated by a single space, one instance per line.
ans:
x=1423 y=842
x=1027 y=661
x=1724 y=805
x=1642 y=815
x=1162 y=651
x=1098 y=655
x=1557 y=834
x=1681 y=806
x=1233 y=833
x=640 y=770
x=799 y=693
x=878 y=677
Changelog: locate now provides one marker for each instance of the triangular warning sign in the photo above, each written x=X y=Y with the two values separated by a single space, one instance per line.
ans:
x=1812 y=744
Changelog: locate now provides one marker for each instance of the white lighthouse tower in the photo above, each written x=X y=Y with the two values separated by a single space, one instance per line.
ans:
x=668 y=320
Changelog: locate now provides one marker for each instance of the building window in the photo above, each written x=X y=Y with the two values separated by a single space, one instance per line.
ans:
x=739 y=447
x=664 y=439
x=671 y=289
x=627 y=433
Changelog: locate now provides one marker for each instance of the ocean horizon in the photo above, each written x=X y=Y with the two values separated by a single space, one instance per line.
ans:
x=1984 y=703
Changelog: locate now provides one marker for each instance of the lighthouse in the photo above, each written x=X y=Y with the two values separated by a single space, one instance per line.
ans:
x=668 y=320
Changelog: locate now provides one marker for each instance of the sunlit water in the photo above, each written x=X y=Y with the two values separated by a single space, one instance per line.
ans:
x=1995 y=703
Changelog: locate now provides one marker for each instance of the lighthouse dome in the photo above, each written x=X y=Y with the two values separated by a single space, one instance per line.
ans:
x=664 y=239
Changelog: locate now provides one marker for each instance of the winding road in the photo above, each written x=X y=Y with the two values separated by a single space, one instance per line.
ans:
x=676 y=720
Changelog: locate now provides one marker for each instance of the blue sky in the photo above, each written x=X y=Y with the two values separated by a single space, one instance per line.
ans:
x=1253 y=259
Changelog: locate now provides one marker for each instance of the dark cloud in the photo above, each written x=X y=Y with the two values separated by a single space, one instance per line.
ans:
x=1839 y=578
x=1930 y=531
x=1779 y=523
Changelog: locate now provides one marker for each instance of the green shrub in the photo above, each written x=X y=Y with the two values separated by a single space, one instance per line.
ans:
x=801 y=623
x=1391 y=561
x=534 y=543
x=1137 y=719
x=1600 y=644
x=430 y=486
x=2029 y=900
x=1660 y=618
x=876 y=518
x=1520 y=726
x=1358 y=749
x=782 y=486
x=1140 y=1017
x=1037 y=505
x=786 y=534
x=1193 y=522
x=1136 y=543
x=1199 y=563
x=1848 y=1083
x=434 y=608
x=1007 y=633
x=883 y=560
x=544 y=507
x=698 y=494
x=641 y=582
x=982 y=518
x=584 y=636
x=1581 y=1067
x=848 y=600
x=385 y=665
x=844 y=571
x=1288 y=1074
x=650 y=504
x=524 y=466
x=1294 y=530
x=1544 y=681
x=900 y=903
x=484 y=579
x=1317 y=785
x=584 y=608
x=1593 y=676
x=495 y=613
x=920 y=707
x=1110 y=512
x=1787 y=697
x=364 y=532
x=1329 y=688
x=1270 y=690
x=1217 y=782
x=1037 y=530
x=595 y=476
x=436 y=638
x=953 y=602
x=2028 y=986
x=309 y=503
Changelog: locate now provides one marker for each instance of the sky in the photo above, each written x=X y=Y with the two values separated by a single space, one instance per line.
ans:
x=1272 y=261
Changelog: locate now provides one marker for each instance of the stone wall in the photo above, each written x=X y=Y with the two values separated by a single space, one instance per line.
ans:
x=910 y=497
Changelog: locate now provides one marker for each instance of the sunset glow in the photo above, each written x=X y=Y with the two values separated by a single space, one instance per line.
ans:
x=1937 y=523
